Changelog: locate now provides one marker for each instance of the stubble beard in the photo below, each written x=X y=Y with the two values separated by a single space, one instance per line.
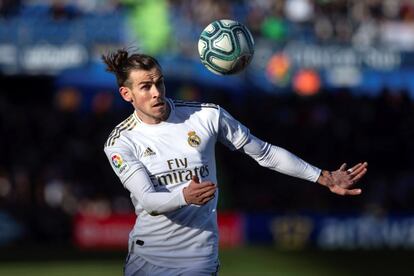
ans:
x=157 y=118
x=166 y=112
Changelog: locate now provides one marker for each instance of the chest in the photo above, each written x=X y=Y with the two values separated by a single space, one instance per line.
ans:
x=177 y=147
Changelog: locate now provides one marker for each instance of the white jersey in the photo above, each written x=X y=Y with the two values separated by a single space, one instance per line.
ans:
x=172 y=152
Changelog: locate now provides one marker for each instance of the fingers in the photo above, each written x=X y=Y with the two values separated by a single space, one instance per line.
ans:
x=199 y=193
x=207 y=199
x=343 y=167
x=353 y=192
x=195 y=179
x=341 y=191
x=204 y=197
x=358 y=171
x=204 y=188
x=357 y=167
x=207 y=196
x=342 y=180
x=359 y=175
x=197 y=186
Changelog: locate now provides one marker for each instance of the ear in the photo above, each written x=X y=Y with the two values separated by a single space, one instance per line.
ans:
x=126 y=93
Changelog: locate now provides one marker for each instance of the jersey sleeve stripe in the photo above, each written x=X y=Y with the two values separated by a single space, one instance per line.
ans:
x=128 y=127
x=127 y=124
x=117 y=129
x=197 y=105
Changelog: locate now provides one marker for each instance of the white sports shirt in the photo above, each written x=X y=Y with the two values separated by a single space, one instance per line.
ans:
x=156 y=161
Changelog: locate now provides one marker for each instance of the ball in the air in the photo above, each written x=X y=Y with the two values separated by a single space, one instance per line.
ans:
x=226 y=47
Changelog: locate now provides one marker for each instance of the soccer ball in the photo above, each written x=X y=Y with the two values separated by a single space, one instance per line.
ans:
x=226 y=47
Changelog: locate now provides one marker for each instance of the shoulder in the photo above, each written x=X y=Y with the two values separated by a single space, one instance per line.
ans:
x=125 y=126
x=205 y=112
x=180 y=104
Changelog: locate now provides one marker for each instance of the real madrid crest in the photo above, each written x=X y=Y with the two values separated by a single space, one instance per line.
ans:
x=193 y=139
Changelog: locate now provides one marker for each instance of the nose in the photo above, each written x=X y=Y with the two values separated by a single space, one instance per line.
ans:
x=155 y=92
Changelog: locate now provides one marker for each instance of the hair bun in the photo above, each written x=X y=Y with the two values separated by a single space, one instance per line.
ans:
x=116 y=61
x=121 y=59
x=121 y=62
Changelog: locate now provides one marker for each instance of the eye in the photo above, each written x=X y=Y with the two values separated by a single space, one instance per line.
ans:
x=146 y=87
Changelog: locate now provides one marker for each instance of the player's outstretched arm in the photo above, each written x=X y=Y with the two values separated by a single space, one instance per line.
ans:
x=342 y=180
x=279 y=159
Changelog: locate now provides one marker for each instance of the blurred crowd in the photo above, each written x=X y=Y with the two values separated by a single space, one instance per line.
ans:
x=53 y=165
x=58 y=9
x=352 y=22
x=360 y=23
x=51 y=142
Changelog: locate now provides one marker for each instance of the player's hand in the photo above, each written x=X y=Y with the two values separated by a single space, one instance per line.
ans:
x=341 y=181
x=199 y=193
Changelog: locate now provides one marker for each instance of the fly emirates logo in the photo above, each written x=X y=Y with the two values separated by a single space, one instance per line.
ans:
x=179 y=172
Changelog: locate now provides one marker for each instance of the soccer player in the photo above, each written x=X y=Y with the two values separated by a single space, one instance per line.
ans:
x=163 y=154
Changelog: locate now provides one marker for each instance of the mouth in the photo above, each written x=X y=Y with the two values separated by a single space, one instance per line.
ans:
x=159 y=104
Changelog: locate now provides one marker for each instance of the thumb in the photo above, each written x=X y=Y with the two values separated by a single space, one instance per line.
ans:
x=343 y=167
x=195 y=179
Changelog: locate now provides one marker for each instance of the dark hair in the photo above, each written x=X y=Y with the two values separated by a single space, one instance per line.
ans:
x=121 y=63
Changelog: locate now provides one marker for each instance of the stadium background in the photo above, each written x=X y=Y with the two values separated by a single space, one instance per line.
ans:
x=331 y=80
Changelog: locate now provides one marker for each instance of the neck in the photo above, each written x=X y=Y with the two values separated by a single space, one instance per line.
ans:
x=152 y=120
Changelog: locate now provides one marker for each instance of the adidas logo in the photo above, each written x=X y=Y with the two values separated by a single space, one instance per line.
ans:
x=149 y=152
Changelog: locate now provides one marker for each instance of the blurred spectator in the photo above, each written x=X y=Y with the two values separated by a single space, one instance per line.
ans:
x=150 y=24
x=60 y=11
x=5 y=185
x=98 y=6
x=9 y=8
x=68 y=99
x=299 y=10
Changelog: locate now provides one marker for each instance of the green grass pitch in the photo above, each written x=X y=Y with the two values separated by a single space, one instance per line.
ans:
x=260 y=261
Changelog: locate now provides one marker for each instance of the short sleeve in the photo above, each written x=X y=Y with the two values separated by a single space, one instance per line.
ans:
x=123 y=160
x=232 y=133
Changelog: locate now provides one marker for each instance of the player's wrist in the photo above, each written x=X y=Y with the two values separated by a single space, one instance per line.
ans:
x=183 y=199
x=323 y=177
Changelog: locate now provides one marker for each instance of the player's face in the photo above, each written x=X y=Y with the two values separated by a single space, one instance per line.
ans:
x=146 y=92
